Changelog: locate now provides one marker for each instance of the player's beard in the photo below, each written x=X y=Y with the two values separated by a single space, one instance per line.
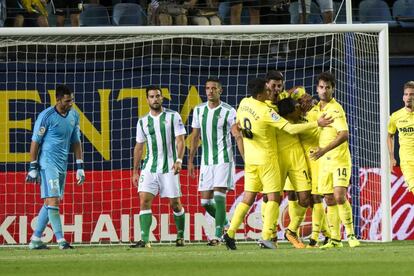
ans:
x=155 y=106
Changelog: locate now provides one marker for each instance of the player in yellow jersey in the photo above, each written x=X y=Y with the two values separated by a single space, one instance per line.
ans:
x=258 y=123
x=403 y=121
x=293 y=167
x=334 y=164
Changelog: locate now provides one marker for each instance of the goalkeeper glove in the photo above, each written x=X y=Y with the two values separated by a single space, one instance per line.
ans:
x=80 y=173
x=33 y=174
x=35 y=6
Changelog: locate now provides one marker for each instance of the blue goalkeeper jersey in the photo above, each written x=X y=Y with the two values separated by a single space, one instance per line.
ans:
x=55 y=133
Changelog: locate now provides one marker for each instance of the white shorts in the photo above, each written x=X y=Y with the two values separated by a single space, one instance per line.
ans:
x=216 y=176
x=164 y=184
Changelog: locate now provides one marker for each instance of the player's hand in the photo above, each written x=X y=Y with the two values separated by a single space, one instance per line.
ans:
x=324 y=121
x=135 y=178
x=80 y=173
x=33 y=175
x=190 y=169
x=393 y=163
x=317 y=153
x=177 y=166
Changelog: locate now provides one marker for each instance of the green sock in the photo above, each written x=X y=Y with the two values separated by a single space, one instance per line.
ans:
x=179 y=219
x=145 y=221
x=210 y=208
x=220 y=199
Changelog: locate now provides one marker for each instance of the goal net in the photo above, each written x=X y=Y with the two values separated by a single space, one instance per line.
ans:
x=109 y=68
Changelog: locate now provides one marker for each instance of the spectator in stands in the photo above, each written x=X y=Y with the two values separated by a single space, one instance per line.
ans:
x=326 y=7
x=33 y=10
x=203 y=12
x=3 y=12
x=60 y=8
x=166 y=13
x=236 y=8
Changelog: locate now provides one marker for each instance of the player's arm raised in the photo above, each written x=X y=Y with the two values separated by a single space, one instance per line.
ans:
x=323 y=121
x=138 y=150
x=195 y=138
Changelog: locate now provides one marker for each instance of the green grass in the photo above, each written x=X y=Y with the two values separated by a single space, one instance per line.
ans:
x=396 y=258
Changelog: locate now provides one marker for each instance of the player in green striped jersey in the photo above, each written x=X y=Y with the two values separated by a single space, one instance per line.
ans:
x=162 y=130
x=213 y=122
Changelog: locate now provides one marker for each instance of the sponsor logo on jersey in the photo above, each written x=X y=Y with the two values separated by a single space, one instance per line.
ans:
x=275 y=117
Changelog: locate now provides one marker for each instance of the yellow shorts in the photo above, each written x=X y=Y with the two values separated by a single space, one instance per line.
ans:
x=407 y=168
x=294 y=171
x=262 y=178
x=332 y=175
x=313 y=166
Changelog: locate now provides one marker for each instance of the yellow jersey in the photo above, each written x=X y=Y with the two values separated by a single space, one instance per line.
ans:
x=310 y=138
x=403 y=121
x=259 y=122
x=341 y=153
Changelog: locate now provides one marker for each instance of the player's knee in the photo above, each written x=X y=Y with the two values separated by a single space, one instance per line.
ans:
x=330 y=200
x=176 y=205
x=291 y=195
x=304 y=202
x=340 y=199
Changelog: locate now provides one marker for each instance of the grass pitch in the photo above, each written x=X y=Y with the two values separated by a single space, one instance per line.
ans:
x=396 y=258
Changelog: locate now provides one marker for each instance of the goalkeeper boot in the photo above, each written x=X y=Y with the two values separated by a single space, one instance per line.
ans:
x=213 y=242
x=266 y=244
x=293 y=238
x=65 y=245
x=332 y=244
x=36 y=245
x=312 y=244
x=353 y=241
x=326 y=240
x=230 y=242
x=141 y=244
x=179 y=242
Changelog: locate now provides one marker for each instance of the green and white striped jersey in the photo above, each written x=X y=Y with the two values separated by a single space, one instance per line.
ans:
x=159 y=133
x=215 y=127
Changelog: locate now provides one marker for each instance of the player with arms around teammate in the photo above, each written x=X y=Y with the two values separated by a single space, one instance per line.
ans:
x=403 y=121
x=213 y=121
x=163 y=132
x=259 y=122
x=334 y=164
x=56 y=130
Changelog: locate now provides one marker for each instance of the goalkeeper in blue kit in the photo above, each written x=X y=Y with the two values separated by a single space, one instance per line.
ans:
x=55 y=132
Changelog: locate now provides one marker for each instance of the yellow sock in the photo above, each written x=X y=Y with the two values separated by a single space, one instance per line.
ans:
x=292 y=206
x=270 y=221
x=345 y=213
x=298 y=216
x=262 y=210
x=334 y=222
x=324 y=227
x=318 y=214
x=238 y=217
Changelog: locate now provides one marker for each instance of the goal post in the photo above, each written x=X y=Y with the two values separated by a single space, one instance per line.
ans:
x=108 y=69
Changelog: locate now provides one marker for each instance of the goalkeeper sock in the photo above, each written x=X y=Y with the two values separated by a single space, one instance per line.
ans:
x=334 y=222
x=220 y=199
x=42 y=220
x=179 y=219
x=296 y=214
x=270 y=222
x=210 y=206
x=54 y=217
x=318 y=214
x=238 y=217
x=145 y=221
x=345 y=213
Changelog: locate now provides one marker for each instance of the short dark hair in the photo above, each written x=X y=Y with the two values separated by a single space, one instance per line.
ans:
x=327 y=77
x=152 y=87
x=274 y=75
x=62 y=90
x=286 y=106
x=257 y=86
x=213 y=79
